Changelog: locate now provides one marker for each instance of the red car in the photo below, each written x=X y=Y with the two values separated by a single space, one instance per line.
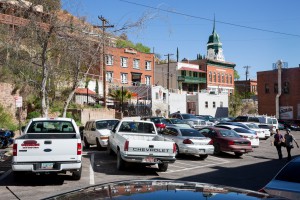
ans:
x=225 y=140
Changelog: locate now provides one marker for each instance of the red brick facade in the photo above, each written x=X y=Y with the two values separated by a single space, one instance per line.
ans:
x=267 y=82
x=137 y=66
x=246 y=86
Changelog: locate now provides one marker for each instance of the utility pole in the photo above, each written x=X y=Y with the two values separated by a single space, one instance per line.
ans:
x=246 y=84
x=104 y=26
x=168 y=73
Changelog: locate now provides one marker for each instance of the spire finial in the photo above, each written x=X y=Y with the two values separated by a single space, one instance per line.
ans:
x=214 y=24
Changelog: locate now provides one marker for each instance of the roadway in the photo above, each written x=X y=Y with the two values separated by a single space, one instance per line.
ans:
x=251 y=171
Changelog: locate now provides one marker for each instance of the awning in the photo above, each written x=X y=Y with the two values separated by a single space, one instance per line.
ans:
x=191 y=69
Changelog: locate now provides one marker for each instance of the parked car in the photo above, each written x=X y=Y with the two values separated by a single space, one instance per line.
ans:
x=190 y=119
x=261 y=133
x=270 y=121
x=246 y=119
x=280 y=126
x=294 y=127
x=287 y=182
x=160 y=122
x=245 y=133
x=208 y=118
x=189 y=141
x=178 y=122
x=97 y=132
x=225 y=140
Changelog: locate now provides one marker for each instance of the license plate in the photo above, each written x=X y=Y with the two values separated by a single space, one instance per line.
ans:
x=201 y=151
x=47 y=166
x=149 y=159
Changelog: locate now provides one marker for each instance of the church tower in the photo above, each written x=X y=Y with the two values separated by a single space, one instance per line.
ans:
x=214 y=47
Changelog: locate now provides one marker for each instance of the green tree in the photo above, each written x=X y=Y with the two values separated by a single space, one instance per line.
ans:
x=235 y=104
x=118 y=94
x=236 y=75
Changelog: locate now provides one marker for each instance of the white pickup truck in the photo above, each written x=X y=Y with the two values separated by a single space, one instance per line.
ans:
x=138 y=142
x=48 y=145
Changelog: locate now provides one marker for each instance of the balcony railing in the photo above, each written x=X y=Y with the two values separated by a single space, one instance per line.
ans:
x=190 y=79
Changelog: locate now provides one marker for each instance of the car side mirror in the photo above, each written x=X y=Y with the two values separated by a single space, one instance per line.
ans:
x=113 y=130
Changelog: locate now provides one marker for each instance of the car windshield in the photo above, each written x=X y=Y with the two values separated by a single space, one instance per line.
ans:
x=242 y=130
x=274 y=121
x=269 y=121
x=229 y=133
x=252 y=125
x=188 y=116
x=157 y=120
x=290 y=173
x=191 y=132
x=137 y=127
x=177 y=121
x=105 y=124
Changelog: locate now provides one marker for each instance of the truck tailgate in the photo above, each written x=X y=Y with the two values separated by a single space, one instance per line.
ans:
x=46 y=150
x=151 y=148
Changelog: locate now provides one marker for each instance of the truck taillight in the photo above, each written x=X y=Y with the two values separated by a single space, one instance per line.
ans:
x=126 y=145
x=15 y=150
x=79 y=149
x=211 y=142
x=174 y=148
x=187 y=141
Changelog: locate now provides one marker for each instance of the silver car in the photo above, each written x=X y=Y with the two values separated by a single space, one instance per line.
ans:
x=189 y=141
x=287 y=182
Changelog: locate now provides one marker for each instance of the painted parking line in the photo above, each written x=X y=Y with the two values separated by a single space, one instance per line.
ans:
x=92 y=176
x=178 y=166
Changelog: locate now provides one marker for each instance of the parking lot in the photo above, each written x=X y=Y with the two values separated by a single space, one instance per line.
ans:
x=251 y=171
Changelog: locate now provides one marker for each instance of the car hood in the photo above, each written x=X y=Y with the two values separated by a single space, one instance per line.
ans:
x=161 y=189
x=284 y=189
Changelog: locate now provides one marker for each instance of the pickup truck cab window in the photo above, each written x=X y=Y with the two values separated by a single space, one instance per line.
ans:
x=51 y=127
x=137 y=127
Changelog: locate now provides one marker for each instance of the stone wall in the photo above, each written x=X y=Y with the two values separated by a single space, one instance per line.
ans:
x=96 y=113
x=7 y=99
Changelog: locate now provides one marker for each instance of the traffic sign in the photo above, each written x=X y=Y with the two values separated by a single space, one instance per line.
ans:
x=19 y=101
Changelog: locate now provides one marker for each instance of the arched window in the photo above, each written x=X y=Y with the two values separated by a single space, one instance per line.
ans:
x=210 y=77
x=215 y=78
x=230 y=79
x=226 y=78
x=222 y=78
x=219 y=78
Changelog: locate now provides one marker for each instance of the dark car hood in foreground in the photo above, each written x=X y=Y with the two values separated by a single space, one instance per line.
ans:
x=161 y=189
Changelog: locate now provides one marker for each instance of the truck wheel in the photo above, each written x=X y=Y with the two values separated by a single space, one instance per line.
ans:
x=77 y=174
x=163 y=167
x=120 y=162
x=86 y=144
x=99 y=147
x=109 y=150
x=203 y=157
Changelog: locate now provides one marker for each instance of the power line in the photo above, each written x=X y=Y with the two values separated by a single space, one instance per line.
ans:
x=207 y=19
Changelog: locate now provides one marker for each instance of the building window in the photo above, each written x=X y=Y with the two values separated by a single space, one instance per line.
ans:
x=214 y=104
x=183 y=73
x=206 y=104
x=124 y=62
x=230 y=79
x=148 y=80
x=219 y=78
x=136 y=64
x=109 y=77
x=223 y=78
x=156 y=95
x=226 y=78
x=148 y=65
x=195 y=74
x=124 y=78
x=210 y=77
x=215 y=78
x=267 y=89
x=286 y=87
x=190 y=73
x=276 y=88
x=109 y=60
x=221 y=104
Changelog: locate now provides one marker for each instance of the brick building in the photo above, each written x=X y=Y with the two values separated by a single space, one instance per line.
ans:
x=289 y=100
x=212 y=73
x=248 y=86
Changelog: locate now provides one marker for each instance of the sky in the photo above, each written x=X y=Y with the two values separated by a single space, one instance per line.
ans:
x=254 y=33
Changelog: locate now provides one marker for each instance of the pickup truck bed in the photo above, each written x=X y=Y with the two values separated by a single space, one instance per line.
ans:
x=44 y=152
